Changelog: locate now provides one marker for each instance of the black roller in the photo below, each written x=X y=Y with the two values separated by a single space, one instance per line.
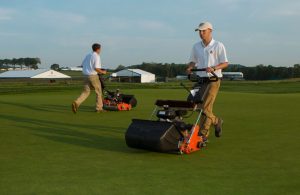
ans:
x=153 y=135
x=129 y=99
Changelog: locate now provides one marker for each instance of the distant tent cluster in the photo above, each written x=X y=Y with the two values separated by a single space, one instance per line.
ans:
x=126 y=75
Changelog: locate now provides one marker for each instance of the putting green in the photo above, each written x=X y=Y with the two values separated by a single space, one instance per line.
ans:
x=46 y=149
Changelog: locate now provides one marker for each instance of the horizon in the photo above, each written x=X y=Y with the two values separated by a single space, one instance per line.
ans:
x=24 y=67
x=133 y=32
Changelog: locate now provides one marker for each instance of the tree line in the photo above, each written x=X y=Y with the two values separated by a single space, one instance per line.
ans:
x=259 y=72
x=266 y=72
x=27 y=62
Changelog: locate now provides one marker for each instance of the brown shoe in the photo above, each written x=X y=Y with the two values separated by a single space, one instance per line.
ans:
x=218 y=128
x=74 y=107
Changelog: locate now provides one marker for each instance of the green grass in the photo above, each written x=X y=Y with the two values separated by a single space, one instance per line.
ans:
x=46 y=149
x=33 y=86
x=279 y=86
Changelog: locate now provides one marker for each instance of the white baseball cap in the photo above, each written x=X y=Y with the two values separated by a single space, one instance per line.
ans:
x=204 y=26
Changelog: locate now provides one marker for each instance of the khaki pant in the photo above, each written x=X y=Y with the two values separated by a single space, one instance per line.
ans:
x=91 y=82
x=209 y=118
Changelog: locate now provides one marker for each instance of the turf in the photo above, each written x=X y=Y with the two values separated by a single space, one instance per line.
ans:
x=46 y=149
x=16 y=86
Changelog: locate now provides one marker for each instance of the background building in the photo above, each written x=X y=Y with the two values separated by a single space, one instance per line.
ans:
x=33 y=74
x=233 y=75
x=133 y=75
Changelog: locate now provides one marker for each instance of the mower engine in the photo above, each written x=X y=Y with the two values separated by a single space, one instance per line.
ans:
x=170 y=115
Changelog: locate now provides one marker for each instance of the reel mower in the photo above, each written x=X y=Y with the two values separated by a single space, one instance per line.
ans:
x=115 y=100
x=169 y=133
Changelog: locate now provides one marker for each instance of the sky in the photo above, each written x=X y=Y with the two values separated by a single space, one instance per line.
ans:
x=135 y=31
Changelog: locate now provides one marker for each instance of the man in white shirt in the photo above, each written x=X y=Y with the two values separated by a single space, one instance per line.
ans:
x=91 y=66
x=210 y=55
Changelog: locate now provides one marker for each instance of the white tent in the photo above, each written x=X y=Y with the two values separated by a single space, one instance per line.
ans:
x=76 y=68
x=131 y=74
x=34 y=74
x=233 y=75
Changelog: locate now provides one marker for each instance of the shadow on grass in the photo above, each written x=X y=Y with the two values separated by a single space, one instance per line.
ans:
x=109 y=139
x=48 y=107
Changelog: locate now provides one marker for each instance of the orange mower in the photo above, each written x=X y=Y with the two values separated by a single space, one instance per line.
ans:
x=116 y=101
x=169 y=133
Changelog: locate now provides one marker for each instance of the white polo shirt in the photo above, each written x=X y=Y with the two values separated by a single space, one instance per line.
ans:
x=90 y=62
x=208 y=56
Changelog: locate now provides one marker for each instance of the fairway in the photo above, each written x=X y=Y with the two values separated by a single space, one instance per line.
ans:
x=46 y=149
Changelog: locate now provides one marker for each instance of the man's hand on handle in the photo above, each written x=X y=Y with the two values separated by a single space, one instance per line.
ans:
x=101 y=71
x=189 y=70
x=104 y=71
x=210 y=69
x=191 y=66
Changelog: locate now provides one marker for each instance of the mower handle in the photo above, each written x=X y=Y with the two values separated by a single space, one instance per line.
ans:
x=203 y=70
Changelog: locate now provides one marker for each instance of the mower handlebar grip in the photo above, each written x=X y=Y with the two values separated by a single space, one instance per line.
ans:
x=198 y=70
x=203 y=70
